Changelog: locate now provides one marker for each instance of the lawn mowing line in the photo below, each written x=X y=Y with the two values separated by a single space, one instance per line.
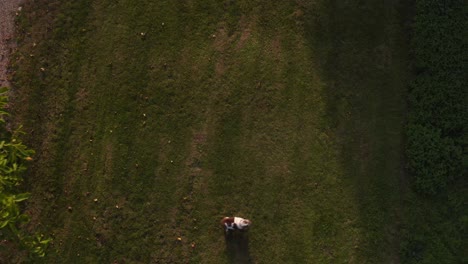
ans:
x=262 y=162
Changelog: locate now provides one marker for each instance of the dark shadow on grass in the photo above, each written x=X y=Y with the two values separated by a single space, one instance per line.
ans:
x=360 y=50
x=237 y=247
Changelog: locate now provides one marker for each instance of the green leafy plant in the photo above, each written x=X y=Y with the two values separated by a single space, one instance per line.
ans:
x=13 y=158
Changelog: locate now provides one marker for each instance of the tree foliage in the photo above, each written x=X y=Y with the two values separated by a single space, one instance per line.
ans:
x=435 y=219
x=434 y=159
x=437 y=97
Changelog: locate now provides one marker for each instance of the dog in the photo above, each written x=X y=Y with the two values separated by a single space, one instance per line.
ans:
x=235 y=223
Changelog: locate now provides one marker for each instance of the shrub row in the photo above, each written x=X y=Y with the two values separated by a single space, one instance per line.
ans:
x=437 y=98
x=435 y=220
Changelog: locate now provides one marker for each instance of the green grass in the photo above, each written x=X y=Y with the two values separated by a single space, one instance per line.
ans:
x=289 y=114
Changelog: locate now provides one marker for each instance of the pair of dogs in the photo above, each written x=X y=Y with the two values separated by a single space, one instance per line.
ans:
x=235 y=223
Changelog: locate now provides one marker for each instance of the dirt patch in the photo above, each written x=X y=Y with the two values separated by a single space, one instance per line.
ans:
x=81 y=98
x=221 y=39
x=220 y=67
x=8 y=10
x=246 y=32
x=276 y=48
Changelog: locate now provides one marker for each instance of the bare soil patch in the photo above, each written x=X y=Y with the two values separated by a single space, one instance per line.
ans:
x=8 y=10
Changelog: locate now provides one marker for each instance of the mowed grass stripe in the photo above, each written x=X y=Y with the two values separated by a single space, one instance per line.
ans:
x=181 y=113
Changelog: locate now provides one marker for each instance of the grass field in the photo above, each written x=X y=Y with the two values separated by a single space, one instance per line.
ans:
x=152 y=121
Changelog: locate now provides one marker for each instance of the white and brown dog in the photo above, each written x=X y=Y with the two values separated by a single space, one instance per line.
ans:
x=235 y=223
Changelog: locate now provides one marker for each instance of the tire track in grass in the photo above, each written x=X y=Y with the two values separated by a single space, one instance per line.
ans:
x=187 y=224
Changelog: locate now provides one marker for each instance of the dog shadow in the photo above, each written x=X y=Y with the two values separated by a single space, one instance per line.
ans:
x=237 y=247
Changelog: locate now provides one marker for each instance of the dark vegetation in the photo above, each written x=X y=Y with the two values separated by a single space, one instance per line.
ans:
x=437 y=129
x=154 y=119
x=437 y=135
